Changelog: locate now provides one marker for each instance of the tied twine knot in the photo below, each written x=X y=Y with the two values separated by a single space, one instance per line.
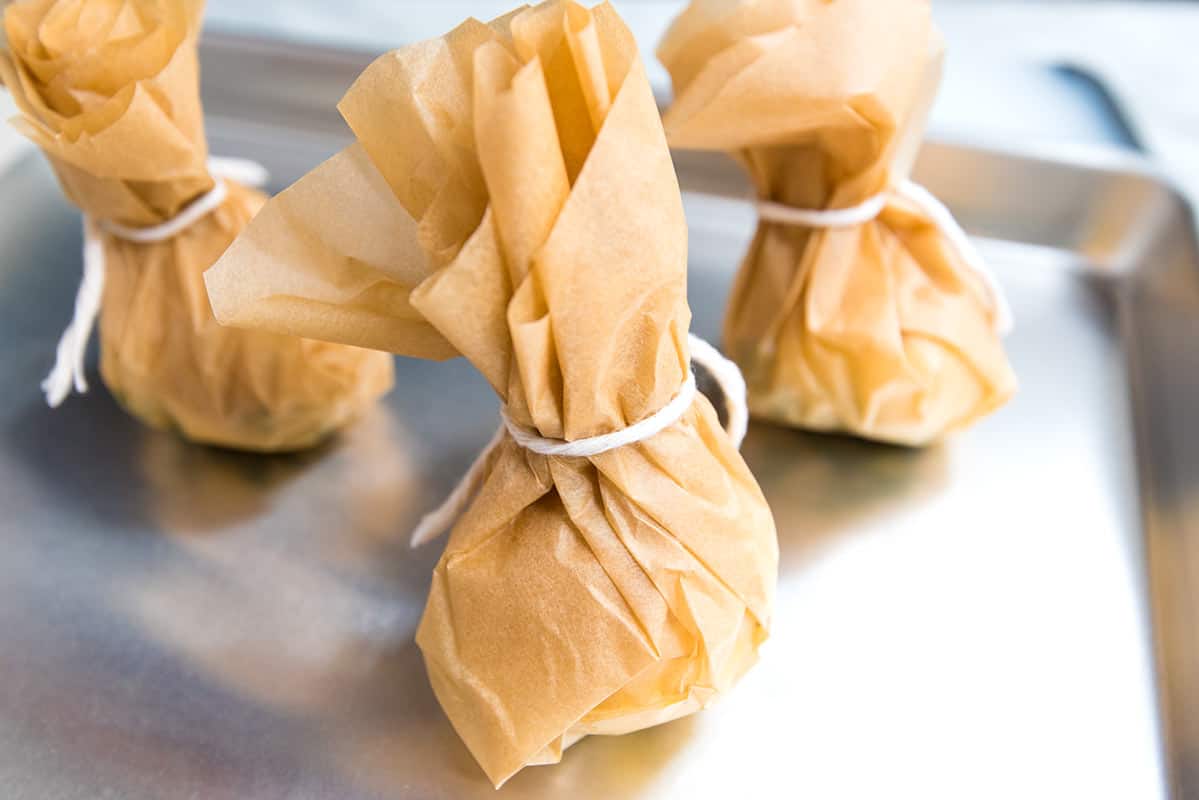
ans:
x=68 y=371
x=870 y=208
x=726 y=374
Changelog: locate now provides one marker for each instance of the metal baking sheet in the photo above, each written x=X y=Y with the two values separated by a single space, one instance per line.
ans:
x=967 y=620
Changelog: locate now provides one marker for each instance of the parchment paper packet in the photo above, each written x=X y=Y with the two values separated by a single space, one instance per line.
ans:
x=512 y=197
x=881 y=329
x=109 y=89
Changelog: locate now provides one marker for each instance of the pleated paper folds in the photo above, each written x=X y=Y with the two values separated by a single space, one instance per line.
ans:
x=880 y=329
x=110 y=92
x=511 y=198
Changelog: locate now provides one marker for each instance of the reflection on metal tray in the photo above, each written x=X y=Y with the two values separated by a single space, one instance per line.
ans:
x=968 y=620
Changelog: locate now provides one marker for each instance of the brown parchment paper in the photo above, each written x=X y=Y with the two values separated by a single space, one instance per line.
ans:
x=109 y=89
x=880 y=329
x=511 y=198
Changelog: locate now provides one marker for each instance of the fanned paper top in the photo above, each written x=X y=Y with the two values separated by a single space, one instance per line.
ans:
x=511 y=198
x=887 y=328
x=110 y=91
x=831 y=95
x=539 y=227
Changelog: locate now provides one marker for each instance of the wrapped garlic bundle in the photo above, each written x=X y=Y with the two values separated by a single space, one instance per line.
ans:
x=512 y=198
x=110 y=92
x=860 y=305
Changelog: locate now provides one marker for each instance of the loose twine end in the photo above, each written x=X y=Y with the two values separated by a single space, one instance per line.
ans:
x=923 y=199
x=68 y=370
x=724 y=372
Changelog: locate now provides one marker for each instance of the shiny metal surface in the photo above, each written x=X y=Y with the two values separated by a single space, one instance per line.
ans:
x=968 y=620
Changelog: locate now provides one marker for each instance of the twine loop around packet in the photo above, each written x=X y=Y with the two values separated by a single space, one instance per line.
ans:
x=872 y=206
x=68 y=371
x=726 y=374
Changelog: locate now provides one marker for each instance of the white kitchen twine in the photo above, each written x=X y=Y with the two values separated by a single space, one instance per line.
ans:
x=68 y=371
x=726 y=374
x=873 y=206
